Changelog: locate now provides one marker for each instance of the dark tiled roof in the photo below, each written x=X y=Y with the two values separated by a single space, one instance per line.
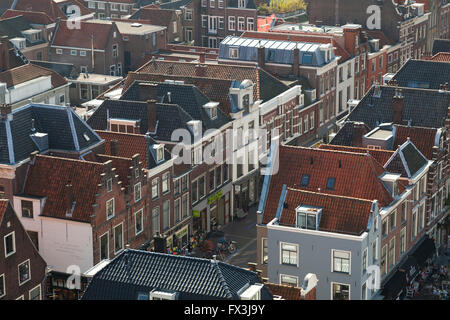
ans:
x=423 y=74
x=357 y=175
x=48 y=177
x=425 y=108
x=192 y=278
x=350 y=134
x=407 y=160
x=53 y=120
x=423 y=138
x=50 y=7
x=441 y=45
x=27 y=72
x=339 y=214
x=32 y=16
x=12 y=27
x=66 y=70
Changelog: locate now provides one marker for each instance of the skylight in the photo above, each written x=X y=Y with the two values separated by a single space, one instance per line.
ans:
x=305 y=180
x=330 y=183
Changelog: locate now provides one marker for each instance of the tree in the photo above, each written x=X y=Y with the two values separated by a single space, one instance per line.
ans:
x=284 y=6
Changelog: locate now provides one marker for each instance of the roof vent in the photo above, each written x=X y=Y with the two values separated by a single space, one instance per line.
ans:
x=136 y=25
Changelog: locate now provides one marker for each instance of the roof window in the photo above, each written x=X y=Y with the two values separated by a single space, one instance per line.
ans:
x=330 y=183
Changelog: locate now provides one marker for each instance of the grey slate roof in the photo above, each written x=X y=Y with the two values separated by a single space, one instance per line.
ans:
x=441 y=45
x=425 y=108
x=67 y=70
x=347 y=135
x=12 y=27
x=186 y=96
x=192 y=278
x=407 y=160
x=54 y=120
x=423 y=74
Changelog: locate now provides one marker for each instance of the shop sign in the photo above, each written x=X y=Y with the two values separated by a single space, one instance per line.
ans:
x=169 y=241
x=196 y=213
x=215 y=197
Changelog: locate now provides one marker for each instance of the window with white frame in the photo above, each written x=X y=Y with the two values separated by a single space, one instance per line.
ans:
x=115 y=51
x=185 y=205
x=91 y=4
x=155 y=221
x=73 y=52
x=204 y=3
x=414 y=224
x=384 y=227
x=340 y=291
x=177 y=209
x=104 y=246
x=220 y=4
x=109 y=185
x=155 y=188
x=118 y=238
x=241 y=23
x=306 y=220
x=166 y=182
x=204 y=21
x=341 y=261
x=265 y=251
x=101 y=5
x=184 y=185
x=114 y=6
x=422 y=217
x=212 y=3
x=27 y=209
x=166 y=215
x=10 y=244
x=241 y=3
x=365 y=260
x=383 y=264
x=289 y=280
x=289 y=254
x=35 y=293
x=311 y=121
x=110 y=208
x=393 y=219
x=188 y=15
x=124 y=7
x=137 y=192
x=59 y=51
x=250 y=24
x=24 y=272
x=220 y=23
x=2 y=286
x=82 y=53
x=375 y=250
x=231 y=23
x=138 y=221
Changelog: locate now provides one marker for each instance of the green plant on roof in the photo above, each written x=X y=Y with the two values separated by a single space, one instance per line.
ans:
x=285 y=6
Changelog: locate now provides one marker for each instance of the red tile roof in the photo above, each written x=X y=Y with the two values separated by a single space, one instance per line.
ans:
x=382 y=156
x=356 y=175
x=339 y=214
x=384 y=39
x=48 y=177
x=441 y=57
x=47 y=6
x=423 y=138
x=29 y=72
x=285 y=292
x=32 y=16
x=81 y=38
x=128 y=144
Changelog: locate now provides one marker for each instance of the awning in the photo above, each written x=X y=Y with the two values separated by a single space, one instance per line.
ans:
x=410 y=267
x=424 y=251
x=395 y=285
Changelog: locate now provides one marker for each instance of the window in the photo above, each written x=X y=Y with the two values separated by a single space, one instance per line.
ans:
x=403 y=241
x=123 y=7
x=391 y=252
x=118 y=238
x=166 y=215
x=340 y=291
x=2 y=286
x=109 y=185
x=104 y=247
x=311 y=121
x=155 y=188
x=27 y=209
x=10 y=244
x=188 y=15
x=114 y=51
x=212 y=3
x=201 y=187
x=110 y=208
x=241 y=3
x=166 y=182
x=138 y=221
x=234 y=53
x=306 y=124
x=220 y=4
x=185 y=206
x=101 y=5
x=114 y=6
x=392 y=219
x=59 y=51
x=176 y=186
x=154 y=39
x=289 y=280
x=241 y=23
x=204 y=21
x=330 y=183
x=341 y=261
x=384 y=228
x=184 y=183
x=91 y=4
x=204 y=3
x=307 y=58
x=155 y=221
x=225 y=172
x=35 y=294
x=414 y=225
x=364 y=292
x=421 y=217
x=375 y=250
x=82 y=53
x=137 y=192
x=306 y=221
x=194 y=191
x=73 y=52
x=265 y=251
x=250 y=24
x=231 y=23
x=403 y=216
x=364 y=261
x=188 y=34
x=177 y=210
x=383 y=263
x=218 y=176
x=289 y=254
x=24 y=272
x=305 y=180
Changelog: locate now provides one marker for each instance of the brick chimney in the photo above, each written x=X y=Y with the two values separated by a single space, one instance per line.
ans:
x=5 y=110
x=296 y=62
x=350 y=35
x=398 y=105
x=359 y=129
x=202 y=57
x=200 y=70
x=113 y=147
x=261 y=56
x=151 y=114
x=147 y=91
x=4 y=53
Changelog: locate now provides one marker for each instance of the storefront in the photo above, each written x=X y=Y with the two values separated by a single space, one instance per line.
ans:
x=181 y=237
x=246 y=192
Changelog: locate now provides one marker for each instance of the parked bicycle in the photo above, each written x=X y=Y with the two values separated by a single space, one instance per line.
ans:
x=224 y=245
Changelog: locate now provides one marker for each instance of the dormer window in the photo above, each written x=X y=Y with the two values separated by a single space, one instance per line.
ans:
x=159 y=153
x=308 y=217
x=246 y=102
x=211 y=109
x=213 y=113
x=241 y=3
x=234 y=53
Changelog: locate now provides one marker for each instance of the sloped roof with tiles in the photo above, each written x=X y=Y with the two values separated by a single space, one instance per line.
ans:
x=27 y=72
x=441 y=57
x=350 y=134
x=156 y=16
x=286 y=292
x=423 y=74
x=441 y=45
x=339 y=214
x=32 y=16
x=425 y=108
x=121 y=164
x=134 y=272
x=48 y=177
x=407 y=160
x=381 y=156
x=50 y=7
x=357 y=175
x=65 y=130
x=81 y=37
x=423 y=138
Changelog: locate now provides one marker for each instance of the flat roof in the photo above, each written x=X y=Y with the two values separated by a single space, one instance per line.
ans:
x=95 y=78
x=132 y=27
x=380 y=134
